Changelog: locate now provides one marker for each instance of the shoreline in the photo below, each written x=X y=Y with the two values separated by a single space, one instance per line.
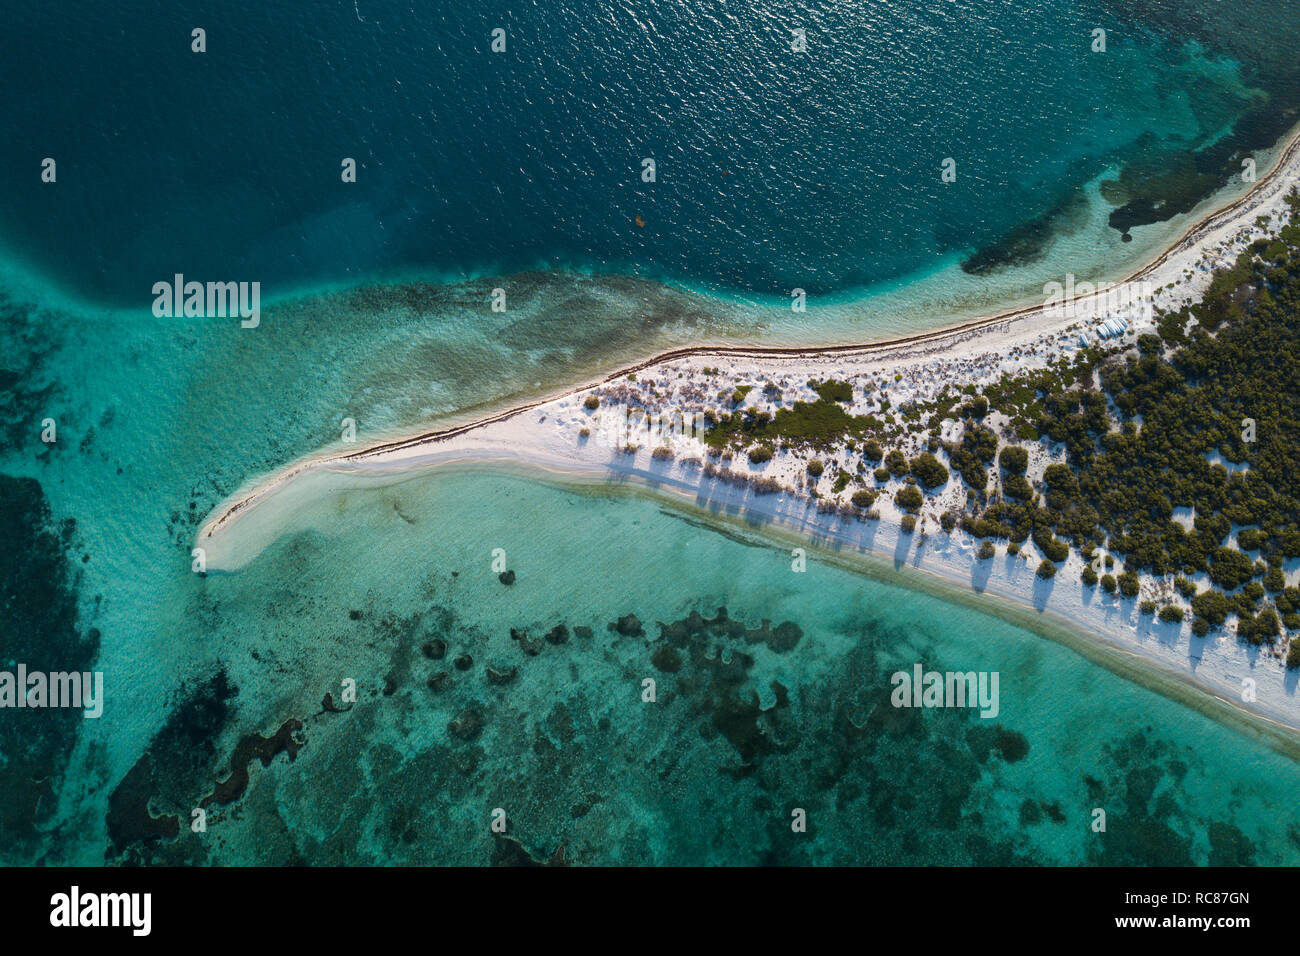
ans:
x=950 y=336
x=778 y=522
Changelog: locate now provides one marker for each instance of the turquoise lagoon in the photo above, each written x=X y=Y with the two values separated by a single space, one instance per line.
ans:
x=745 y=728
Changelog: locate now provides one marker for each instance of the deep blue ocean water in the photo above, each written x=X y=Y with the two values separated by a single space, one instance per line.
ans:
x=775 y=169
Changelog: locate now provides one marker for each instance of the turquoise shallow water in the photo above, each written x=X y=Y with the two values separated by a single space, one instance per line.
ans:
x=744 y=730
x=159 y=420
x=709 y=773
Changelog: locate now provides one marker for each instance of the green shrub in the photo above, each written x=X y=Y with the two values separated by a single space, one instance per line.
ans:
x=1017 y=487
x=1267 y=625
x=1013 y=459
x=1293 y=655
x=863 y=498
x=1211 y=605
x=1089 y=577
x=871 y=450
x=1171 y=613
x=881 y=474
x=1230 y=569
x=1251 y=539
x=815 y=468
x=909 y=498
x=1046 y=569
x=1053 y=548
x=928 y=470
x=978 y=447
x=1147 y=607
x=1129 y=584
x=832 y=391
x=1108 y=583
x=591 y=402
x=1060 y=477
x=986 y=550
x=896 y=462
x=909 y=524
x=760 y=453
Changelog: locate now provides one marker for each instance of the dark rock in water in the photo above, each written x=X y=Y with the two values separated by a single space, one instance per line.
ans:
x=129 y=819
x=1010 y=744
x=38 y=626
x=666 y=659
x=508 y=851
x=251 y=747
x=467 y=725
x=507 y=577
x=390 y=685
x=675 y=633
x=558 y=634
x=501 y=675
x=354 y=615
x=738 y=720
x=785 y=637
x=181 y=752
x=730 y=672
x=530 y=647
x=464 y=662
x=1229 y=846
x=328 y=706
x=1127 y=237
x=629 y=625
x=583 y=632
x=438 y=681
x=435 y=649
x=1030 y=813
